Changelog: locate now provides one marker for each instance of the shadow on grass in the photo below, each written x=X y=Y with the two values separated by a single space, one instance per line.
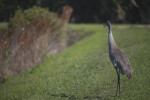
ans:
x=73 y=97
x=62 y=95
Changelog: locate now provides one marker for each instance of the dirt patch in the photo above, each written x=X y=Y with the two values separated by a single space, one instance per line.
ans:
x=74 y=36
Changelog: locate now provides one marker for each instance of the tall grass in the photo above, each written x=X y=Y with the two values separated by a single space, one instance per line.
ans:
x=31 y=34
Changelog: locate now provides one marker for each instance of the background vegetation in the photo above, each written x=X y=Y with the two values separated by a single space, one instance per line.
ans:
x=87 y=11
x=29 y=35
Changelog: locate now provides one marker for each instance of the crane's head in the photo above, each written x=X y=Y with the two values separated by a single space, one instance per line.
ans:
x=108 y=24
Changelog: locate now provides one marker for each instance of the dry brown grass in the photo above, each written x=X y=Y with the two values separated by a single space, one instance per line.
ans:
x=23 y=47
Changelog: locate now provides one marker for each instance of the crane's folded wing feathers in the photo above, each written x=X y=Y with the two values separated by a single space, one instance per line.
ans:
x=122 y=62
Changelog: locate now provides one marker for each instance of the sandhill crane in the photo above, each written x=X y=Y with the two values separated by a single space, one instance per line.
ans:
x=119 y=60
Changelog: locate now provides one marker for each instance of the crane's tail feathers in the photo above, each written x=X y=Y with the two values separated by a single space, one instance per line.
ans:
x=129 y=76
x=128 y=71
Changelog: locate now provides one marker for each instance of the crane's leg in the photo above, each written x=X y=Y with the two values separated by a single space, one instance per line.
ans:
x=118 y=80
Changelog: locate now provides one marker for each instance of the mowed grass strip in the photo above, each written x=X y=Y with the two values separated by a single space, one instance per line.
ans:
x=84 y=71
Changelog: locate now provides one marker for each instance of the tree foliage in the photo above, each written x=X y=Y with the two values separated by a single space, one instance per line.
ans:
x=87 y=11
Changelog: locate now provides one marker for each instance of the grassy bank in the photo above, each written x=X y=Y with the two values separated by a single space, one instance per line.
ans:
x=85 y=71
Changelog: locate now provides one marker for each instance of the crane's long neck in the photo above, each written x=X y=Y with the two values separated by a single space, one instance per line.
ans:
x=111 y=41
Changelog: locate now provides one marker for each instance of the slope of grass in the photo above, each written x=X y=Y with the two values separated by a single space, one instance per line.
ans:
x=84 y=71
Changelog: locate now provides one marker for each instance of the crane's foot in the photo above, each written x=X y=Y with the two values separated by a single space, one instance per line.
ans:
x=116 y=94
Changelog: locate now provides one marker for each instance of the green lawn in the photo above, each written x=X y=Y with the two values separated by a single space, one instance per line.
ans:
x=84 y=70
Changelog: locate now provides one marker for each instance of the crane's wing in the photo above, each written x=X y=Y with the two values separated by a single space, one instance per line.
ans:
x=122 y=62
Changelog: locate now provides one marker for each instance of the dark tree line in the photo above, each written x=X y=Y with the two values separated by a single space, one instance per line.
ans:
x=87 y=11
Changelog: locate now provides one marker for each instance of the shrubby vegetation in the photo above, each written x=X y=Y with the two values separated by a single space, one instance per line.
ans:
x=87 y=11
x=25 y=18
x=29 y=35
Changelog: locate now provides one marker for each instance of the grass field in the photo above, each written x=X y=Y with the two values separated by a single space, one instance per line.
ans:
x=84 y=71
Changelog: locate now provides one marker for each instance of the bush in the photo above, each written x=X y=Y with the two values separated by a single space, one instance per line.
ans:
x=25 y=18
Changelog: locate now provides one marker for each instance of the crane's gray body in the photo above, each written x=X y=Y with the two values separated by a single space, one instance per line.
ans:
x=117 y=57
